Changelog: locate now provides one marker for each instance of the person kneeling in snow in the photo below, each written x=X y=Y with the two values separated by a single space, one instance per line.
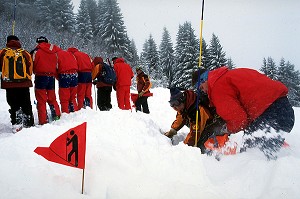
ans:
x=251 y=102
x=185 y=103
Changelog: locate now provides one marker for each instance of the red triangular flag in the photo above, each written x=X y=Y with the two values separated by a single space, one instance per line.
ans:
x=68 y=148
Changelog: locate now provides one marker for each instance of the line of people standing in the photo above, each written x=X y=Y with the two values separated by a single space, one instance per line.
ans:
x=73 y=70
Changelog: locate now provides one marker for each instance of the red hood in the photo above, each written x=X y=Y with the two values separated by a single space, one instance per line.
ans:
x=72 y=50
x=48 y=48
x=119 y=60
x=13 y=44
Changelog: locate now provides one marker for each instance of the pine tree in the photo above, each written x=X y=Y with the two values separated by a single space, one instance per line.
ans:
x=204 y=55
x=84 y=26
x=63 y=16
x=111 y=30
x=187 y=56
x=92 y=12
x=216 y=54
x=230 y=63
x=150 y=58
x=166 y=56
x=269 y=68
x=291 y=78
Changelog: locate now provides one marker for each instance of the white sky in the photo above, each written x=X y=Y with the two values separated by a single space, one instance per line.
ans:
x=249 y=30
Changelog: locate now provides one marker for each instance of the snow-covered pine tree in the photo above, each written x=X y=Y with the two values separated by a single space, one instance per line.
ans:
x=92 y=12
x=150 y=58
x=291 y=78
x=166 y=56
x=186 y=55
x=217 y=56
x=83 y=21
x=205 y=55
x=230 y=63
x=63 y=17
x=111 y=30
x=134 y=61
x=269 y=68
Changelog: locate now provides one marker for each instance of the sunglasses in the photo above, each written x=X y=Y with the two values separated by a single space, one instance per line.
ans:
x=174 y=103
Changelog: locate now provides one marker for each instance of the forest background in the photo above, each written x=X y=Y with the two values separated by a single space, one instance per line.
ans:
x=98 y=29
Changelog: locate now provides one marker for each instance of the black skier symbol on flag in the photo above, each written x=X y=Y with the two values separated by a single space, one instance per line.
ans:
x=73 y=148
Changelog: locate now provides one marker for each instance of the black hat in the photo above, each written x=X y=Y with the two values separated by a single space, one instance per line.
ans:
x=41 y=40
x=12 y=37
x=176 y=95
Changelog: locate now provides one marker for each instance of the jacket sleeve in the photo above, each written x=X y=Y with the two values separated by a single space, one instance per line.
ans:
x=1 y=58
x=147 y=84
x=29 y=63
x=95 y=71
x=179 y=122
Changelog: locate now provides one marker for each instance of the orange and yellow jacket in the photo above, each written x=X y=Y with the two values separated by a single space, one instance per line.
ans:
x=188 y=117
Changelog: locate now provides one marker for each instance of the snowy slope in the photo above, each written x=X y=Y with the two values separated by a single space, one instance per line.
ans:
x=128 y=157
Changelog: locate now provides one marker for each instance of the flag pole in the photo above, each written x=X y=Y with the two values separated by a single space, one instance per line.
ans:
x=199 y=65
x=14 y=18
x=82 y=182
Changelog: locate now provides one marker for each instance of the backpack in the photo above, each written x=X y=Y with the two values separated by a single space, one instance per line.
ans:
x=108 y=74
x=14 y=66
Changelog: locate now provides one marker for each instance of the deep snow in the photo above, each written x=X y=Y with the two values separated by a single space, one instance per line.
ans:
x=128 y=157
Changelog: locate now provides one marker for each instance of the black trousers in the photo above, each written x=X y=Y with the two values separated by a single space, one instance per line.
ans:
x=279 y=116
x=104 y=98
x=142 y=103
x=20 y=106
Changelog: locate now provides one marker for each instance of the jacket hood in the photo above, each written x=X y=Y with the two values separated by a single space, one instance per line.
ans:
x=190 y=98
x=214 y=75
x=72 y=50
x=119 y=60
x=14 y=44
x=48 y=48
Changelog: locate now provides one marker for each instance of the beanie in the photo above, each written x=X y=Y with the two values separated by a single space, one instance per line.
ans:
x=12 y=37
x=97 y=60
x=176 y=95
x=41 y=40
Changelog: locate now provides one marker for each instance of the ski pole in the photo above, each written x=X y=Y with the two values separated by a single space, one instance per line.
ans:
x=14 y=18
x=96 y=104
x=199 y=65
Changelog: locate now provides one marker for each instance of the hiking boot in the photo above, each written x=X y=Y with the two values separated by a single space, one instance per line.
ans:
x=16 y=128
x=55 y=118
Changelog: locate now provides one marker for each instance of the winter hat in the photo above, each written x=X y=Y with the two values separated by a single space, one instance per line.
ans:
x=203 y=76
x=41 y=40
x=97 y=60
x=176 y=97
x=12 y=37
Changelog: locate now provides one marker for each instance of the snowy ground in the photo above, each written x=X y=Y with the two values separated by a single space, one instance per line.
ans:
x=127 y=157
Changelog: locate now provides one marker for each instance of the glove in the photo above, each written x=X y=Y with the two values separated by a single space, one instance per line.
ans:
x=141 y=93
x=170 y=133
x=220 y=130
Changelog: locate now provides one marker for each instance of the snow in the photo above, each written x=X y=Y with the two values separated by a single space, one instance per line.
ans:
x=128 y=157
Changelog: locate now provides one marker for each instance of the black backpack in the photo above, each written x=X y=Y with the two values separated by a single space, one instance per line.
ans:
x=108 y=74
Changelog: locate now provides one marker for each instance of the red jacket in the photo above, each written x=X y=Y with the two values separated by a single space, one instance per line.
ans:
x=45 y=59
x=83 y=60
x=241 y=95
x=123 y=72
x=66 y=62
